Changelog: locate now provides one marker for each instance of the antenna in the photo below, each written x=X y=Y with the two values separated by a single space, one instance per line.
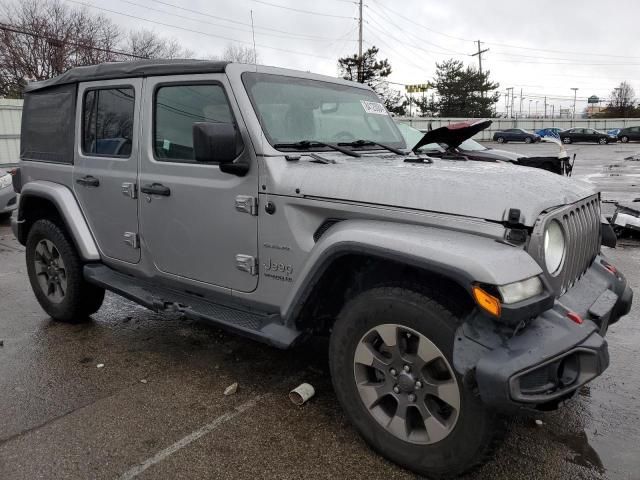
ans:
x=255 y=53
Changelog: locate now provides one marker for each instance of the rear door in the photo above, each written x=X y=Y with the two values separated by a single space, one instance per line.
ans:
x=106 y=164
x=204 y=226
x=590 y=135
x=635 y=133
x=577 y=135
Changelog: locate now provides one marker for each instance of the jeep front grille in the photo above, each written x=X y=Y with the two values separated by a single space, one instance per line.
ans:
x=581 y=224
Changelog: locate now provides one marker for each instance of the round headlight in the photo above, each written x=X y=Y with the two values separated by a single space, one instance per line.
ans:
x=554 y=247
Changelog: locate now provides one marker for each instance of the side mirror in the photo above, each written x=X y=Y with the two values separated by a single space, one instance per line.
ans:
x=216 y=142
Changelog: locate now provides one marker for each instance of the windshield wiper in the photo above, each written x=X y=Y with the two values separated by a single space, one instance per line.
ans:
x=307 y=144
x=364 y=143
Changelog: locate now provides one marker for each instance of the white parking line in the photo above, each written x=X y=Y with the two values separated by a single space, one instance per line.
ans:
x=192 y=437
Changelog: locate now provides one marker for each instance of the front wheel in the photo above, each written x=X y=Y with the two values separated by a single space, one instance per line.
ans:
x=566 y=140
x=603 y=141
x=501 y=140
x=527 y=140
x=55 y=273
x=391 y=358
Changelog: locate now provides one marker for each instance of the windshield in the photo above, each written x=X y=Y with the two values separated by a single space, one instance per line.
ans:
x=471 y=145
x=292 y=110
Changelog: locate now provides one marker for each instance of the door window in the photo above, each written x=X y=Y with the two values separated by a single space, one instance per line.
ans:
x=107 y=122
x=177 y=108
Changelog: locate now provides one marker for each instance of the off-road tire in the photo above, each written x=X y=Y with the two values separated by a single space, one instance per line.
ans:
x=624 y=139
x=477 y=430
x=80 y=299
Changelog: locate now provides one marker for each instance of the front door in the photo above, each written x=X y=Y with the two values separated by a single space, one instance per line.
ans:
x=106 y=164
x=191 y=227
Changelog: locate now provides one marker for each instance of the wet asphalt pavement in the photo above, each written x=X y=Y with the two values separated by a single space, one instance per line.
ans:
x=156 y=409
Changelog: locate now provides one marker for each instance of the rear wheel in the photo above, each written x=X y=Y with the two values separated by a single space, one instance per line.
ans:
x=566 y=140
x=624 y=139
x=501 y=140
x=391 y=357
x=55 y=273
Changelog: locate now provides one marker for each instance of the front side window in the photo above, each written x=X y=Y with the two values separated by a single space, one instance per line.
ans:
x=107 y=126
x=177 y=108
x=293 y=110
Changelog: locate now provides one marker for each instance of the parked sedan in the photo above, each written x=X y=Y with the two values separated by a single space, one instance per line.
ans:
x=7 y=195
x=515 y=135
x=628 y=134
x=574 y=135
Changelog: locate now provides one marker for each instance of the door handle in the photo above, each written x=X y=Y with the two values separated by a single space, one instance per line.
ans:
x=156 y=189
x=88 y=181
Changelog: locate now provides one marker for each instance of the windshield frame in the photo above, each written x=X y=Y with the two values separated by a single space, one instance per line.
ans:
x=246 y=79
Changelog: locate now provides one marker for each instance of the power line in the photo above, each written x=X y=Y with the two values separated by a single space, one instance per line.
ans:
x=308 y=12
x=410 y=20
x=14 y=29
x=209 y=23
x=497 y=44
x=196 y=31
x=419 y=39
x=235 y=22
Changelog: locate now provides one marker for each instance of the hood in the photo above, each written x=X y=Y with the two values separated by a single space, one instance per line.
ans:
x=473 y=189
x=454 y=134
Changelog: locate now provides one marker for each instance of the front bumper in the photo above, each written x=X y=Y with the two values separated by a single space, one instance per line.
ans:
x=551 y=357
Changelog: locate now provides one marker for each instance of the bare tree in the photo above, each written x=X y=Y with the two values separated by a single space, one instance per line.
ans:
x=240 y=54
x=41 y=39
x=148 y=44
x=622 y=102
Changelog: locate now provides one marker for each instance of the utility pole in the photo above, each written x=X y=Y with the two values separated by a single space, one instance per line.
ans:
x=512 y=102
x=530 y=107
x=545 y=107
x=575 y=93
x=478 y=54
x=506 y=104
x=521 y=102
x=360 y=73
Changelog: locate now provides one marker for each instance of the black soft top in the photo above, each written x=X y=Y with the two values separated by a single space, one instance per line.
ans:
x=139 y=68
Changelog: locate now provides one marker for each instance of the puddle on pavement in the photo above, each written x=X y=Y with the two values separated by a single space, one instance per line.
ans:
x=584 y=454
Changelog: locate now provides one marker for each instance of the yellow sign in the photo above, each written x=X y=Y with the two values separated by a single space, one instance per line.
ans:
x=420 y=87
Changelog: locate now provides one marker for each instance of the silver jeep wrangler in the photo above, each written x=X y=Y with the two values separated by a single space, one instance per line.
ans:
x=280 y=204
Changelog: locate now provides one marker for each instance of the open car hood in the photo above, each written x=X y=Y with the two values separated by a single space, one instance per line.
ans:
x=453 y=135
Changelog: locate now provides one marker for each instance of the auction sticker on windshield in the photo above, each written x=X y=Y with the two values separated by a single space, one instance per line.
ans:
x=373 y=107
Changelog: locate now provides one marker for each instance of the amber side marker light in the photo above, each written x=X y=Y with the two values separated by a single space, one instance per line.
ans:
x=486 y=301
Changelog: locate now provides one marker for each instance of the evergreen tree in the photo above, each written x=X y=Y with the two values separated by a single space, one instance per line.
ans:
x=368 y=69
x=463 y=92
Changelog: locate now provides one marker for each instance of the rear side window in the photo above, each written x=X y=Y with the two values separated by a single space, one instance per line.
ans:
x=48 y=124
x=177 y=108
x=107 y=122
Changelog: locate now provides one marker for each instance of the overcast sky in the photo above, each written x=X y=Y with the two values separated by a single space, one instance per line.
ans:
x=544 y=47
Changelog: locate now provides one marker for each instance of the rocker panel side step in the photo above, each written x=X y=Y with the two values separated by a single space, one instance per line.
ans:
x=265 y=328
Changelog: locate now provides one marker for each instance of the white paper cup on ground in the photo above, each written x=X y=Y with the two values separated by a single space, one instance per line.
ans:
x=301 y=393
